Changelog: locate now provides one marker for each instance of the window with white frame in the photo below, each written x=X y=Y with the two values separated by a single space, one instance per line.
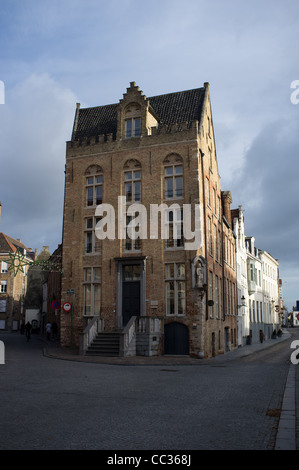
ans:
x=4 y=267
x=175 y=289
x=173 y=178
x=133 y=127
x=174 y=228
x=133 y=186
x=92 y=291
x=208 y=191
x=92 y=243
x=94 y=190
x=131 y=243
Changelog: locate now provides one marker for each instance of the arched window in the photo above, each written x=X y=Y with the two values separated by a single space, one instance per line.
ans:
x=94 y=185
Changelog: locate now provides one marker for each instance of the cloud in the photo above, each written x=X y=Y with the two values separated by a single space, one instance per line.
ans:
x=36 y=121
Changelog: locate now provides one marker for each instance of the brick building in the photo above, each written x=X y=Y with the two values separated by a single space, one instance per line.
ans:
x=13 y=284
x=160 y=294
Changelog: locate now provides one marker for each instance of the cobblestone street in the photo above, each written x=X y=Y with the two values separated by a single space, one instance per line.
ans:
x=225 y=403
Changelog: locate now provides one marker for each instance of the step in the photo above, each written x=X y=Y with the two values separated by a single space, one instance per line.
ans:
x=104 y=344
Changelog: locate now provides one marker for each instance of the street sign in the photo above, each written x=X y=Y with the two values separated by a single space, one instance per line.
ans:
x=56 y=304
x=67 y=307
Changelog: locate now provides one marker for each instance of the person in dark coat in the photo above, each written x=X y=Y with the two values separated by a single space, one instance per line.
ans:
x=28 y=330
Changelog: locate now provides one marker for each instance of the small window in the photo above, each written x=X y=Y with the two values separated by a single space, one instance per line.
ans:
x=4 y=267
x=133 y=127
x=3 y=286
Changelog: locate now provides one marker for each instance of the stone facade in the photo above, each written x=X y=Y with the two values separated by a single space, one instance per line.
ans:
x=13 y=285
x=152 y=151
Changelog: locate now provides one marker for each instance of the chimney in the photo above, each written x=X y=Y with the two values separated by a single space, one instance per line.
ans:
x=226 y=202
x=0 y=209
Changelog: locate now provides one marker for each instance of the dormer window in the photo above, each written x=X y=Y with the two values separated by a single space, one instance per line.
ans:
x=133 y=127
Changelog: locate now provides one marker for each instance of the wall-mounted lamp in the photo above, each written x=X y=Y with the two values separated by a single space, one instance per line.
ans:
x=243 y=304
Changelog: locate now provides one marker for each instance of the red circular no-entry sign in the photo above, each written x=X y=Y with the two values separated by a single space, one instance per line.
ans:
x=67 y=307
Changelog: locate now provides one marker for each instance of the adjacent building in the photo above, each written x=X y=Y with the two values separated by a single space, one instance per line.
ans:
x=259 y=293
x=13 y=282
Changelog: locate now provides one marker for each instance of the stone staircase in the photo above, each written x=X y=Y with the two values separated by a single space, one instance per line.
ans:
x=104 y=344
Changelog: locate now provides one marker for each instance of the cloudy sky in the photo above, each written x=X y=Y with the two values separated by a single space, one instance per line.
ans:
x=54 y=54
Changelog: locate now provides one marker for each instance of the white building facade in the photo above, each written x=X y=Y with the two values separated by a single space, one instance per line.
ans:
x=242 y=286
x=271 y=294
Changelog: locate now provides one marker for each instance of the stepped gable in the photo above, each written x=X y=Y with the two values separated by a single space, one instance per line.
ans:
x=172 y=108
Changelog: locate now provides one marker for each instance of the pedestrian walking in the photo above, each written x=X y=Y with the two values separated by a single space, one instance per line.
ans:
x=54 y=330
x=48 y=331
x=28 y=330
x=262 y=336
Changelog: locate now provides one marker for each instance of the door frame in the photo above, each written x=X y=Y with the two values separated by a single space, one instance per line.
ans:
x=120 y=262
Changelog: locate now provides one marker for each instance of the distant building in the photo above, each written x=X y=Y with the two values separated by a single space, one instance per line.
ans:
x=34 y=294
x=52 y=290
x=242 y=283
x=13 y=284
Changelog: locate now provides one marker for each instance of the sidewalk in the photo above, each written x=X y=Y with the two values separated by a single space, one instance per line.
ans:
x=53 y=350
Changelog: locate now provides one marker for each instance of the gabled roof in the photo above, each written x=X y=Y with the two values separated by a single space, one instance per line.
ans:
x=172 y=108
x=9 y=244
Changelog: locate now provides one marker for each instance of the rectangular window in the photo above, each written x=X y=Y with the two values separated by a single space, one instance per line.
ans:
x=210 y=237
x=217 y=296
x=92 y=291
x=211 y=293
x=133 y=128
x=3 y=286
x=174 y=181
x=4 y=267
x=175 y=289
x=94 y=190
x=130 y=243
x=92 y=243
x=174 y=228
x=133 y=186
x=208 y=191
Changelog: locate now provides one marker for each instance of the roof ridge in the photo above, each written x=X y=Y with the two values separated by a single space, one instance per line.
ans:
x=6 y=237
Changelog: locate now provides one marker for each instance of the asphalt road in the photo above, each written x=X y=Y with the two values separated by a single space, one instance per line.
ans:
x=48 y=404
